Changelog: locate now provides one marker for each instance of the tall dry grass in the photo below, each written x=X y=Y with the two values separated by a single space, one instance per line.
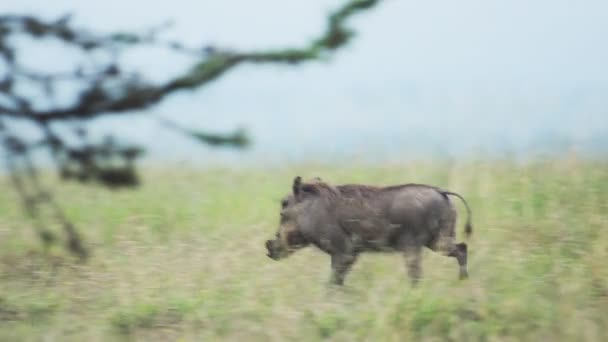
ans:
x=183 y=259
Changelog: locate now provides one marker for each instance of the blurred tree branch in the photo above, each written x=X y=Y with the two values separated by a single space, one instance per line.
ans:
x=106 y=89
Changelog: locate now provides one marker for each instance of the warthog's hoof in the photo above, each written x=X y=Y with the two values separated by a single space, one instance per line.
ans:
x=464 y=274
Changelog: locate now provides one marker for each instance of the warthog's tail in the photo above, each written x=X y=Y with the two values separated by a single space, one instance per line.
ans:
x=468 y=227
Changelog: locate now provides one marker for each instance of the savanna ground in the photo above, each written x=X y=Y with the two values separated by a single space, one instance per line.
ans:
x=183 y=258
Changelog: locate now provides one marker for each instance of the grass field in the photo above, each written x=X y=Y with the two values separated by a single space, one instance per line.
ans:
x=183 y=258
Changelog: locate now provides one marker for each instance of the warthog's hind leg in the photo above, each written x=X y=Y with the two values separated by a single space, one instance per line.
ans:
x=459 y=251
x=447 y=247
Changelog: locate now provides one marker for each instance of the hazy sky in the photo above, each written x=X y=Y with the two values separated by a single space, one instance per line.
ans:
x=450 y=76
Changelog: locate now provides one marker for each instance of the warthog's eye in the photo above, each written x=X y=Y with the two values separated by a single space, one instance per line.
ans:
x=283 y=217
x=284 y=203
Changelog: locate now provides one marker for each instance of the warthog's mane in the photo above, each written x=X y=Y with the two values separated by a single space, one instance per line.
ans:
x=333 y=193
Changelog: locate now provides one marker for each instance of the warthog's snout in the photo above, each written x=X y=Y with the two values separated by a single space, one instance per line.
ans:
x=272 y=252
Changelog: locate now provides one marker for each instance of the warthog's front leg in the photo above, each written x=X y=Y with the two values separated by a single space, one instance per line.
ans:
x=340 y=265
x=413 y=256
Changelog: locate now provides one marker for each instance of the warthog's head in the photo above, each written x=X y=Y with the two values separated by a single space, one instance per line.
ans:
x=298 y=213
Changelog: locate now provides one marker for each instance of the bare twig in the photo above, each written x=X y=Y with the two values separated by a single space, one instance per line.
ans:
x=107 y=89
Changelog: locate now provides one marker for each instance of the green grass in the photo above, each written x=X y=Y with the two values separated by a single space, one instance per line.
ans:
x=183 y=258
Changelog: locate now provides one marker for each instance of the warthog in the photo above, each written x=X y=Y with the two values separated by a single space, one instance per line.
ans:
x=345 y=220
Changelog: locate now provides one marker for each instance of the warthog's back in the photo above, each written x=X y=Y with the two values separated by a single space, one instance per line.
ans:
x=382 y=217
x=417 y=205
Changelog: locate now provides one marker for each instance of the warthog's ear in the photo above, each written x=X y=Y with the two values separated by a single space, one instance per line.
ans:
x=297 y=183
x=317 y=180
